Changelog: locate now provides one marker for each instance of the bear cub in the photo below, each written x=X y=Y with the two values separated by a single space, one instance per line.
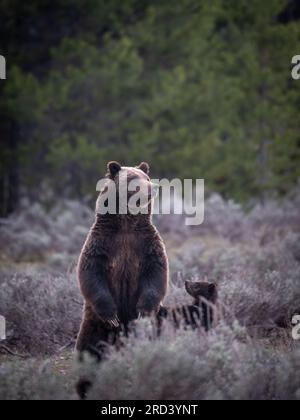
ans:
x=203 y=311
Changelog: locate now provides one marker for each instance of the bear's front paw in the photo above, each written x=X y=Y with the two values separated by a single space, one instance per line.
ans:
x=146 y=308
x=109 y=316
x=114 y=322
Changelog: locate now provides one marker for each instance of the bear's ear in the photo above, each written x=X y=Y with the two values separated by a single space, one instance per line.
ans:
x=144 y=167
x=113 y=168
x=191 y=288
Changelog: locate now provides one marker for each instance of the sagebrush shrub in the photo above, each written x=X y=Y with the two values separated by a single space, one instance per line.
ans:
x=34 y=380
x=32 y=233
x=222 y=365
x=43 y=312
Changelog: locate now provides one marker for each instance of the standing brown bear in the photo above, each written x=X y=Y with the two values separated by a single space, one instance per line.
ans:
x=123 y=266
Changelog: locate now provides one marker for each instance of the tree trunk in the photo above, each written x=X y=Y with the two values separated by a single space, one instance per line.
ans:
x=9 y=178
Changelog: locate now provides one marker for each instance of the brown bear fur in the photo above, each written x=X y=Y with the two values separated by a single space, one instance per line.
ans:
x=122 y=270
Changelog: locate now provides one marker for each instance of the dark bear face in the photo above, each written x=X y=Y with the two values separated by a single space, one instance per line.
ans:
x=140 y=190
x=199 y=290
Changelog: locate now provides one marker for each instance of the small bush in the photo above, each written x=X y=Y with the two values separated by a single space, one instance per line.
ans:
x=32 y=234
x=33 y=380
x=42 y=311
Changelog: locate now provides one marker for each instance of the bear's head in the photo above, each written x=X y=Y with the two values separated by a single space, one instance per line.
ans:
x=202 y=290
x=132 y=186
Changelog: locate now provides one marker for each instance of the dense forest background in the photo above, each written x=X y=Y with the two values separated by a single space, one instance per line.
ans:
x=200 y=89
